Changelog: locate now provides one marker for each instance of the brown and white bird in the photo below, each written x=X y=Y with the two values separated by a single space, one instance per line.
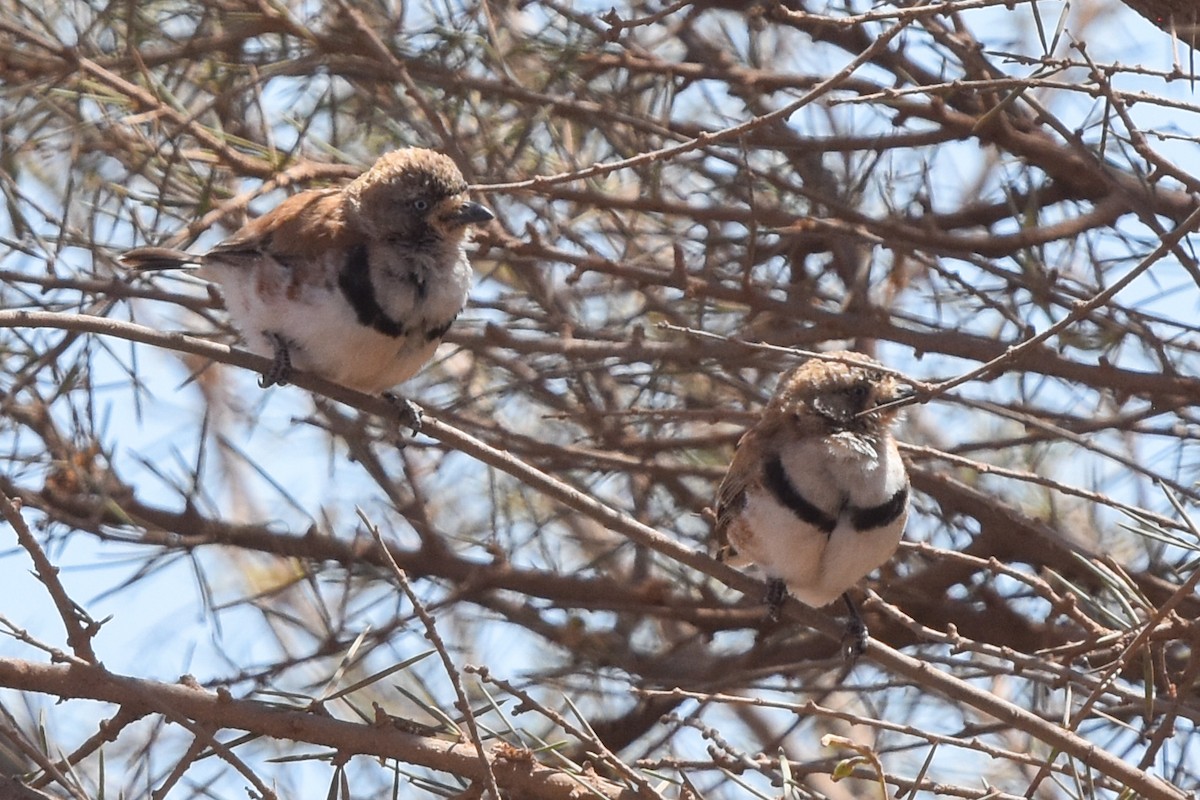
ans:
x=355 y=284
x=817 y=495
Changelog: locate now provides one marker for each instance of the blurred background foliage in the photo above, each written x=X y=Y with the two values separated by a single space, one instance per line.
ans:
x=994 y=196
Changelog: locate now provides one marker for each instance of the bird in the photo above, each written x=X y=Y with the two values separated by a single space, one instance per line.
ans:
x=356 y=284
x=817 y=494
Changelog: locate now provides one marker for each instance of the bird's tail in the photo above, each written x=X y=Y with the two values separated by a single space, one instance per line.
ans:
x=152 y=258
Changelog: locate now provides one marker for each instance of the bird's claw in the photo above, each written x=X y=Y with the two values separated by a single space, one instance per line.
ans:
x=281 y=363
x=777 y=595
x=410 y=415
x=854 y=640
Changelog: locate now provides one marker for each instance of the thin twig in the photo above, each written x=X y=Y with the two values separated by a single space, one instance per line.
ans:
x=522 y=779
x=1081 y=309
x=79 y=637
x=709 y=138
x=435 y=638
x=528 y=701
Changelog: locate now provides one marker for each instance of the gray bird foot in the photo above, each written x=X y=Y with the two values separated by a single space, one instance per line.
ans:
x=777 y=595
x=281 y=363
x=854 y=640
x=410 y=415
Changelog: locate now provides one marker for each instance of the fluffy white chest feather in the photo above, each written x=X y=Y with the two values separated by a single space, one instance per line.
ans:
x=826 y=512
x=415 y=301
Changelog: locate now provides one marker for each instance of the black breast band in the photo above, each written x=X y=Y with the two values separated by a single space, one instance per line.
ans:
x=862 y=519
x=354 y=279
x=777 y=483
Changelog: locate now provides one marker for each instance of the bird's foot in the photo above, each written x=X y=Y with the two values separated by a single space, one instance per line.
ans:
x=777 y=595
x=410 y=415
x=854 y=640
x=281 y=362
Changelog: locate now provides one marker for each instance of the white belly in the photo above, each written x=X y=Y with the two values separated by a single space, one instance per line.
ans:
x=817 y=567
x=323 y=332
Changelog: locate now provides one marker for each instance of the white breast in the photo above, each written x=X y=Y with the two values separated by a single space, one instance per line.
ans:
x=323 y=331
x=829 y=473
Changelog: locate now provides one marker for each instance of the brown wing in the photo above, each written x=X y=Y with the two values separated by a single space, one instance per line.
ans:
x=297 y=232
x=307 y=224
x=731 y=495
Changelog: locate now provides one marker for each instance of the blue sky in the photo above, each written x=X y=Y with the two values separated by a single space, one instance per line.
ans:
x=166 y=439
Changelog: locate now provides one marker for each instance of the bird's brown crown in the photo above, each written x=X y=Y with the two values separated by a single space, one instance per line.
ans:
x=402 y=190
x=837 y=396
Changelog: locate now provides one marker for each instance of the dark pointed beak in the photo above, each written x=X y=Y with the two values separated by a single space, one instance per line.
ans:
x=901 y=395
x=470 y=213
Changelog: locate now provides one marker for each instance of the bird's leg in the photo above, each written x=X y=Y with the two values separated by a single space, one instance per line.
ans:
x=854 y=642
x=777 y=595
x=281 y=363
x=410 y=415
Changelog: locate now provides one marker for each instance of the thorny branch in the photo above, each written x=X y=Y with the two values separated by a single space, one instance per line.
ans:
x=994 y=198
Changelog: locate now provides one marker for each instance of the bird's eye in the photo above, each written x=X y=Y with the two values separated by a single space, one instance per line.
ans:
x=421 y=205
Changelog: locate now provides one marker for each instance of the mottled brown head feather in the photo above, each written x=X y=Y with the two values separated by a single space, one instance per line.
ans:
x=821 y=396
x=403 y=189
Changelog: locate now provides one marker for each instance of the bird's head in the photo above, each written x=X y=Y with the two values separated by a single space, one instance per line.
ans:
x=823 y=396
x=413 y=195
